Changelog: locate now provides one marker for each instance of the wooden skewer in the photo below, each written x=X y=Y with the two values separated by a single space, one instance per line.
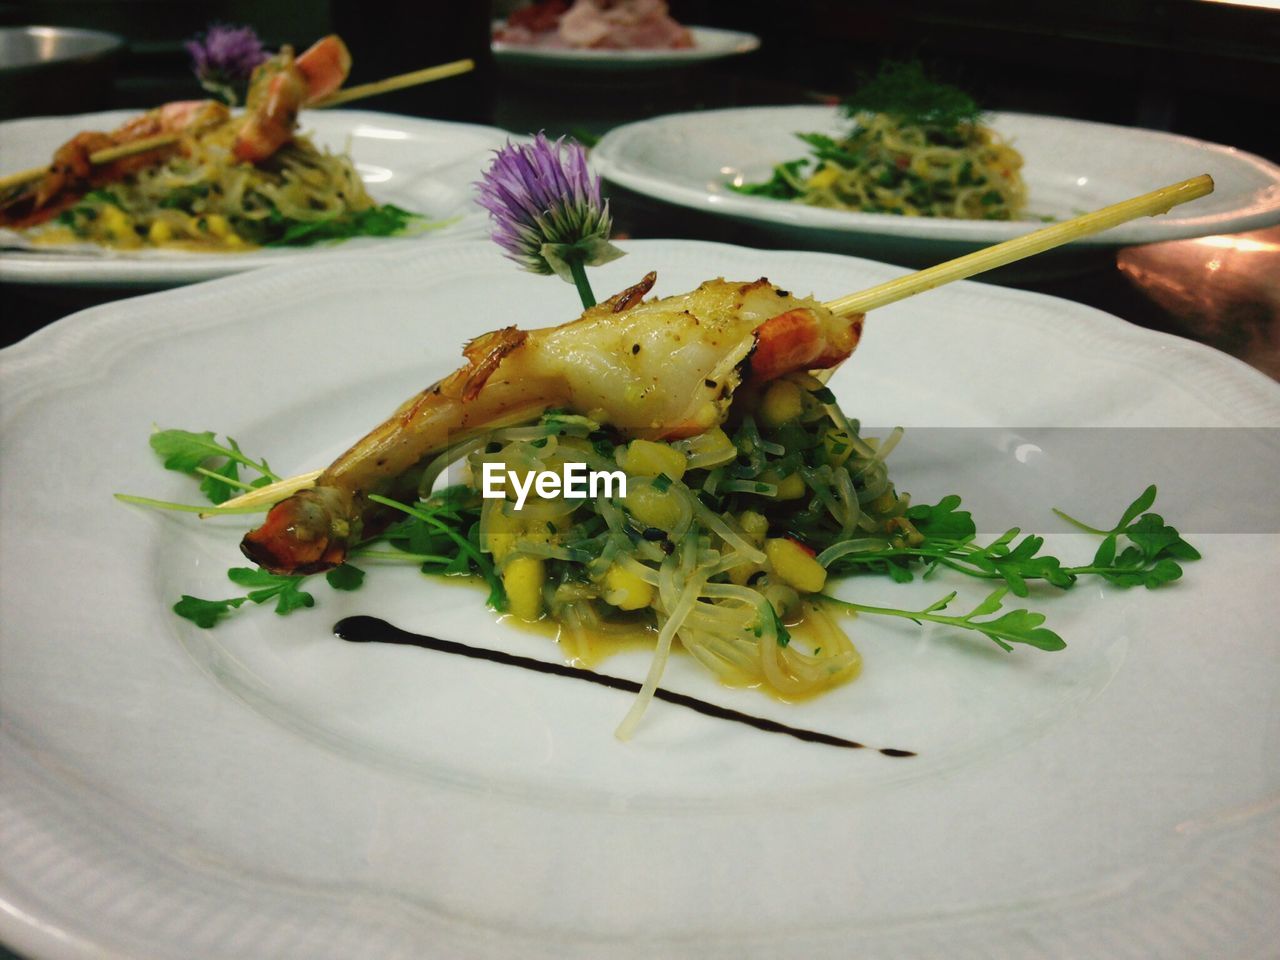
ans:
x=270 y=494
x=426 y=75
x=399 y=82
x=1038 y=241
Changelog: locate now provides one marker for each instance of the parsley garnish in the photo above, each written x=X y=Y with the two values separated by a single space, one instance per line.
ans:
x=381 y=221
x=904 y=91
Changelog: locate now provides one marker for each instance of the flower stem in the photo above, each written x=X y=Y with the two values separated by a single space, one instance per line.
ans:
x=579 y=271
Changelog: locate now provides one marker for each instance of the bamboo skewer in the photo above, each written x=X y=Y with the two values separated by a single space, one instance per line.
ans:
x=399 y=82
x=269 y=494
x=1038 y=241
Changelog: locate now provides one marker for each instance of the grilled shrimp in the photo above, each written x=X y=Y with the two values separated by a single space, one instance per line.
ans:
x=280 y=88
x=72 y=172
x=658 y=370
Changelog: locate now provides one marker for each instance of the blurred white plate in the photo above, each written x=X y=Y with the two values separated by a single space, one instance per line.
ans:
x=1072 y=167
x=709 y=43
x=264 y=789
x=427 y=166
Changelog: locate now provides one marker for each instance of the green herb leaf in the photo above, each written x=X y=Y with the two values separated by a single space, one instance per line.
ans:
x=380 y=221
x=205 y=613
x=1014 y=626
x=183 y=450
x=215 y=490
x=285 y=590
x=906 y=92
x=346 y=577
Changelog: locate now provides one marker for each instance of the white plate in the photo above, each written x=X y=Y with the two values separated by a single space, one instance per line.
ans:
x=427 y=166
x=709 y=43
x=264 y=789
x=1072 y=166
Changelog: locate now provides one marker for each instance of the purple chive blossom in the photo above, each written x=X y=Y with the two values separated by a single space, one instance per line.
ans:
x=546 y=209
x=224 y=57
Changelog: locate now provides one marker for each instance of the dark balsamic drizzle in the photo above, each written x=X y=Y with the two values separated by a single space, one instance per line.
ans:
x=373 y=630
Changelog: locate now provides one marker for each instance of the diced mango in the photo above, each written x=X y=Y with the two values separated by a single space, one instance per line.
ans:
x=794 y=565
x=160 y=232
x=523 y=578
x=791 y=488
x=651 y=507
x=824 y=177
x=217 y=225
x=754 y=525
x=648 y=459
x=783 y=401
x=625 y=590
x=114 y=222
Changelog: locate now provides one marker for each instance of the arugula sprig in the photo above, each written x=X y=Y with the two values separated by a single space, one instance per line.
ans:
x=432 y=531
x=286 y=591
x=378 y=221
x=218 y=464
x=1013 y=626
x=949 y=540
x=1149 y=559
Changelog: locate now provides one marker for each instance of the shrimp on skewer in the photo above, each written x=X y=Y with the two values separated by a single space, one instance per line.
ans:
x=279 y=89
x=662 y=369
x=72 y=173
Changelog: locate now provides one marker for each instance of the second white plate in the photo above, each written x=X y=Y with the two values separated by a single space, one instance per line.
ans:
x=1072 y=167
x=427 y=166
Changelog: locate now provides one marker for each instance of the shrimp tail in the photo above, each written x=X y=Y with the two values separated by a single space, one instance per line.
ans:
x=306 y=533
x=280 y=88
x=798 y=340
x=325 y=66
x=312 y=530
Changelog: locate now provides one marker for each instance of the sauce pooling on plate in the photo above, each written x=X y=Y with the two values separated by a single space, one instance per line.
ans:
x=365 y=629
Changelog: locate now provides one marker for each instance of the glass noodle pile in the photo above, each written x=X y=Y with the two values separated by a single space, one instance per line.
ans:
x=714 y=542
x=204 y=198
x=916 y=148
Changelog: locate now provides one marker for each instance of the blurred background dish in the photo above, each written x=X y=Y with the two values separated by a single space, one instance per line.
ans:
x=1071 y=166
x=49 y=70
x=425 y=166
x=709 y=43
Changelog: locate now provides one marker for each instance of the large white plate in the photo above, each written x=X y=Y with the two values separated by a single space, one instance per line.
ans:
x=264 y=789
x=427 y=166
x=709 y=43
x=1072 y=166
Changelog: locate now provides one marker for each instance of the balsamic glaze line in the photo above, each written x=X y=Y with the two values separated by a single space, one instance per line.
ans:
x=364 y=629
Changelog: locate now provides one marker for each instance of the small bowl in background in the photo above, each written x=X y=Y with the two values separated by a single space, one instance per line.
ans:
x=56 y=70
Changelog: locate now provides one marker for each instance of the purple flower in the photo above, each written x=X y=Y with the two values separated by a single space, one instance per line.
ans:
x=224 y=58
x=546 y=208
